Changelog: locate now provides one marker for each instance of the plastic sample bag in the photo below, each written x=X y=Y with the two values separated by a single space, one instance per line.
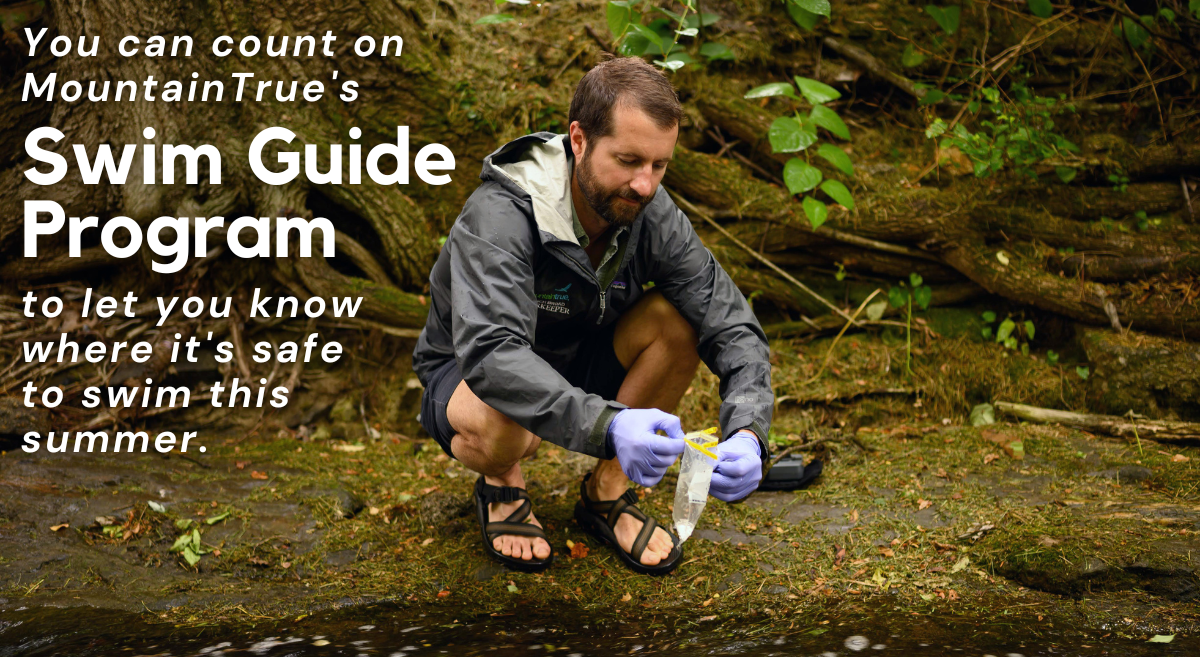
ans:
x=695 y=474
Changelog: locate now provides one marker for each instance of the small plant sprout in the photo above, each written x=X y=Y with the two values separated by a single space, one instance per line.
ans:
x=903 y=295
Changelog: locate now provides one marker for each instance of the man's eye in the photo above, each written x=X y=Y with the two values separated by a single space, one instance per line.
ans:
x=660 y=166
x=628 y=162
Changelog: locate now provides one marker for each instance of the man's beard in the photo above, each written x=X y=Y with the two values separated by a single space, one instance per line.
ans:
x=605 y=202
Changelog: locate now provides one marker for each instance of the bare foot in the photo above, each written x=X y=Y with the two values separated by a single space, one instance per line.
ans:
x=517 y=547
x=608 y=483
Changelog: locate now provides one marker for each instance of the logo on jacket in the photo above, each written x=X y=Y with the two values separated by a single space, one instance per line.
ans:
x=563 y=288
x=618 y=285
x=555 y=301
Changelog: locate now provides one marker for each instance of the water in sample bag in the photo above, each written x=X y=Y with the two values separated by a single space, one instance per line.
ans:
x=695 y=474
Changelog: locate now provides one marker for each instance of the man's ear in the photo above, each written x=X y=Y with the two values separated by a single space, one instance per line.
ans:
x=578 y=140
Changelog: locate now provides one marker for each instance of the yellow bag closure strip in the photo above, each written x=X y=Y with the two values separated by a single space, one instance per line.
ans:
x=704 y=448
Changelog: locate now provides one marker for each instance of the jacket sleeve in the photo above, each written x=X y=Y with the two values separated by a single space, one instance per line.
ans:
x=494 y=317
x=731 y=341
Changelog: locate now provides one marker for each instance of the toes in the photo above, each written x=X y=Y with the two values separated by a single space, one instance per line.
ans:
x=541 y=549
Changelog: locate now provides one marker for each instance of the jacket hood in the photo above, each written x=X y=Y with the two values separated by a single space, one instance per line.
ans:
x=539 y=165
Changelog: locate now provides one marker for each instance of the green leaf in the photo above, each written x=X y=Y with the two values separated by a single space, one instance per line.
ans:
x=619 y=17
x=190 y=557
x=911 y=58
x=1135 y=33
x=634 y=45
x=1041 y=8
x=1029 y=329
x=494 y=19
x=772 y=89
x=181 y=542
x=800 y=176
x=983 y=415
x=183 y=523
x=838 y=192
x=1162 y=638
x=986 y=332
x=915 y=280
x=829 y=119
x=946 y=17
x=988 y=316
x=803 y=17
x=716 y=51
x=1051 y=356
x=815 y=211
x=156 y=507
x=512 y=588
x=837 y=157
x=923 y=296
x=217 y=518
x=688 y=32
x=1024 y=347
x=816 y=92
x=670 y=64
x=1083 y=372
x=1194 y=7
x=1005 y=330
x=1010 y=342
x=931 y=96
x=1065 y=174
x=196 y=540
x=819 y=7
x=875 y=310
x=648 y=34
x=898 y=297
x=787 y=135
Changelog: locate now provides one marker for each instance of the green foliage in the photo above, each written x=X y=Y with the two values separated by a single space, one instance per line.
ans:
x=905 y=294
x=803 y=17
x=1021 y=133
x=946 y=17
x=494 y=19
x=1083 y=372
x=1051 y=356
x=1040 y=8
x=796 y=132
x=1008 y=333
x=660 y=37
x=911 y=58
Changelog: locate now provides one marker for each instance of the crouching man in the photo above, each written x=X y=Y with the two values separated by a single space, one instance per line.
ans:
x=572 y=303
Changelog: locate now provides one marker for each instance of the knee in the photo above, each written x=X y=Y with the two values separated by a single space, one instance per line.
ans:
x=674 y=330
x=505 y=442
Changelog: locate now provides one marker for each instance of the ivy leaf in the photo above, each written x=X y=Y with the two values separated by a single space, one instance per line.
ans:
x=838 y=192
x=915 y=281
x=1065 y=174
x=1083 y=372
x=819 y=7
x=772 y=89
x=808 y=20
x=1005 y=330
x=898 y=297
x=716 y=51
x=946 y=17
x=787 y=135
x=1041 y=8
x=829 y=119
x=494 y=19
x=838 y=158
x=816 y=92
x=911 y=58
x=815 y=211
x=800 y=176
x=923 y=296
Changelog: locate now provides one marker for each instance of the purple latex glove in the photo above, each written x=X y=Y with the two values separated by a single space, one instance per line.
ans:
x=738 y=469
x=645 y=455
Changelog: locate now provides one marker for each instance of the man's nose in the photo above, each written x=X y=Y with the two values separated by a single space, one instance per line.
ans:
x=644 y=182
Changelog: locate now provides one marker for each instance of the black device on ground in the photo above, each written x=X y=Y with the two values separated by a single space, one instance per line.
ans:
x=790 y=473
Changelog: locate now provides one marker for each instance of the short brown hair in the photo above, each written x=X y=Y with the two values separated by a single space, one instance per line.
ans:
x=623 y=80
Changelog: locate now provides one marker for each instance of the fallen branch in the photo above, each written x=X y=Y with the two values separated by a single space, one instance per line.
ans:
x=1122 y=427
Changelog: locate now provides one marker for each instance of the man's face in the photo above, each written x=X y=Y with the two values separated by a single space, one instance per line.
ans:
x=618 y=174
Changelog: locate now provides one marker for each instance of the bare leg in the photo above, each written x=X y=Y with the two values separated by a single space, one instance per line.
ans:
x=493 y=445
x=657 y=348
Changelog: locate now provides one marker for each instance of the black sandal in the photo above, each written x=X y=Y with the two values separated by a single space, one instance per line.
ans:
x=599 y=518
x=513 y=525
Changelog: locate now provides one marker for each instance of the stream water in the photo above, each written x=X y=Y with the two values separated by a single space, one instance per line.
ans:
x=389 y=631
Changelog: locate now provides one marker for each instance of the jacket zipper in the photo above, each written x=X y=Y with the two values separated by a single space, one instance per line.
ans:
x=594 y=279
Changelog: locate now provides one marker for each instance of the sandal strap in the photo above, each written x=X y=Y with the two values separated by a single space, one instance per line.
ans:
x=502 y=494
x=494 y=529
x=643 y=539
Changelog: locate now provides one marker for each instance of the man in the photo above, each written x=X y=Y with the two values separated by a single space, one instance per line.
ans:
x=540 y=328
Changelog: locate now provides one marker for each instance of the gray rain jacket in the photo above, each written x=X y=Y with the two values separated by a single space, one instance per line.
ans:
x=513 y=295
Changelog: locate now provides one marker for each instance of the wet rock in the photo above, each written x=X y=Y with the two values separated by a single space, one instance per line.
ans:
x=440 y=507
x=16 y=419
x=488 y=571
x=1130 y=474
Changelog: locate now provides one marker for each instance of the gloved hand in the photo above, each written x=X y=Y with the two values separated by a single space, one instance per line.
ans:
x=738 y=469
x=643 y=454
